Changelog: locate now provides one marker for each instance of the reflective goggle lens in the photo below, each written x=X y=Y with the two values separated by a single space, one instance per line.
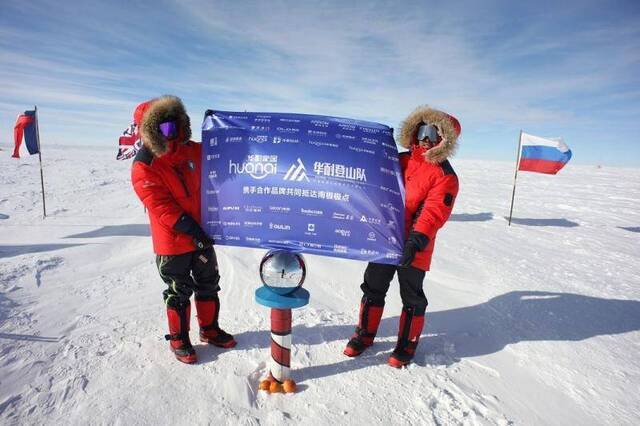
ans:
x=427 y=131
x=169 y=129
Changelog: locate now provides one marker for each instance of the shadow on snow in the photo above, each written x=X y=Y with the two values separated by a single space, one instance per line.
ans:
x=131 y=230
x=11 y=251
x=471 y=217
x=563 y=223
x=630 y=228
x=482 y=329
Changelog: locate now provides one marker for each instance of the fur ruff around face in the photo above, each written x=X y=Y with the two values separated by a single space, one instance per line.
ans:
x=162 y=109
x=424 y=114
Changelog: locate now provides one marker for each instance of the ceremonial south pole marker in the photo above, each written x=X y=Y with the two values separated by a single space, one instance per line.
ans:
x=282 y=273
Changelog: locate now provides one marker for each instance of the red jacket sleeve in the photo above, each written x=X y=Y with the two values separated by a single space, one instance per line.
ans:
x=155 y=195
x=437 y=206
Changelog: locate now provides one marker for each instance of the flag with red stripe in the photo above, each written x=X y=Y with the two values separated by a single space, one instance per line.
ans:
x=129 y=143
x=26 y=126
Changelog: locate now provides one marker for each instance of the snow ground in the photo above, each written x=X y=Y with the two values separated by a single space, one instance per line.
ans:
x=538 y=323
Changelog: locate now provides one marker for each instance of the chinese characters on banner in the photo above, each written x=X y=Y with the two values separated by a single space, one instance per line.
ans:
x=322 y=185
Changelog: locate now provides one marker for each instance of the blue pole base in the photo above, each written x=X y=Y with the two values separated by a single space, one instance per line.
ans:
x=271 y=299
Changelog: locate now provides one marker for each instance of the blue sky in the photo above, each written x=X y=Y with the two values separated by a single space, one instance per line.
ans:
x=557 y=69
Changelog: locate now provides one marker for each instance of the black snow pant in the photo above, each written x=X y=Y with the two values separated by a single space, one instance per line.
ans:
x=184 y=274
x=377 y=279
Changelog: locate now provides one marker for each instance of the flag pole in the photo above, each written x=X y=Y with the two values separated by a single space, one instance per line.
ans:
x=44 y=205
x=513 y=194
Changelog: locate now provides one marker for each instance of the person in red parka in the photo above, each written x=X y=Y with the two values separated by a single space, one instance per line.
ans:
x=166 y=177
x=431 y=187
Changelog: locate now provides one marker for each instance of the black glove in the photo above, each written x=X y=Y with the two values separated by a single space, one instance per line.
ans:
x=416 y=242
x=187 y=225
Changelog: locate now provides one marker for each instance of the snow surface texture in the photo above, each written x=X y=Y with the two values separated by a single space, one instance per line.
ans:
x=534 y=324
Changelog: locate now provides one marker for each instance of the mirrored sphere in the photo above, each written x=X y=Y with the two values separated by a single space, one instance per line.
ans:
x=283 y=271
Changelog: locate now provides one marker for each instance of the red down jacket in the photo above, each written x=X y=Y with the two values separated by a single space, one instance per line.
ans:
x=166 y=174
x=431 y=185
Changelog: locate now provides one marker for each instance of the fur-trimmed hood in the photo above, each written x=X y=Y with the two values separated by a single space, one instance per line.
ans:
x=448 y=126
x=157 y=111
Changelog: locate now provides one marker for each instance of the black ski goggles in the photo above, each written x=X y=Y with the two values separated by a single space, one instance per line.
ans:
x=427 y=131
x=169 y=129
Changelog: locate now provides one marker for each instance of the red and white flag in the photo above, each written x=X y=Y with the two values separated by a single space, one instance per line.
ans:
x=129 y=143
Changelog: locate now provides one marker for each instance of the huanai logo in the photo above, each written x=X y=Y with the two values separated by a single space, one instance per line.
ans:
x=339 y=171
x=259 y=138
x=320 y=123
x=256 y=166
x=279 y=226
x=297 y=172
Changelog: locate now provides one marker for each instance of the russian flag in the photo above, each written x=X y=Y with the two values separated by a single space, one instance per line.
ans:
x=26 y=124
x=542 y=155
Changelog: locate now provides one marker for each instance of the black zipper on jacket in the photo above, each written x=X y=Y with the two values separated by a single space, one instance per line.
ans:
x=181 y=178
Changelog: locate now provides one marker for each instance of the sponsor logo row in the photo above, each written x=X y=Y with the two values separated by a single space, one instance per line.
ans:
x=256 y=241
x=344 y=124
x=292 y=135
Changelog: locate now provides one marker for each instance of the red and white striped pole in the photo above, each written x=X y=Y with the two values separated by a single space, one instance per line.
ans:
x=279 y=379
x=280 y=344
x=282 y=274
